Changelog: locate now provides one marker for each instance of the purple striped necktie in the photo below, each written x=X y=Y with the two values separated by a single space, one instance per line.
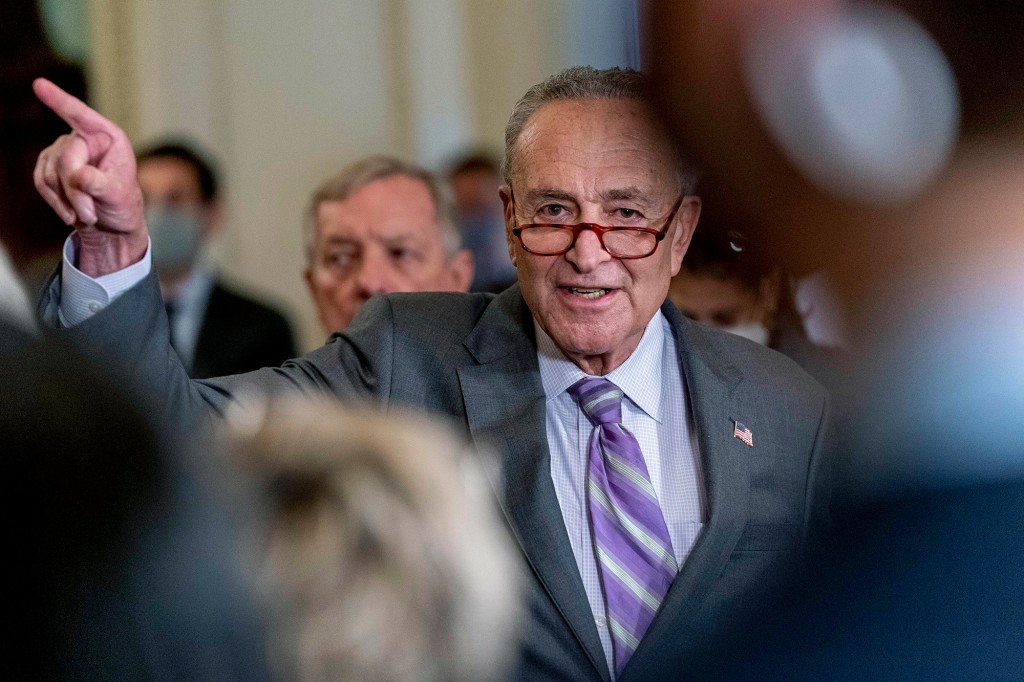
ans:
x=631 y=541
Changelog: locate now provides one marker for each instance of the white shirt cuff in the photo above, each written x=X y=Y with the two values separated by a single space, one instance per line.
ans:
x=81 y=296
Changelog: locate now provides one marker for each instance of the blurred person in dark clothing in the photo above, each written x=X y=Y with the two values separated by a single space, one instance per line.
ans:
x=475 y=179
x=123 y=546
x=924 y=245
x=215 y=329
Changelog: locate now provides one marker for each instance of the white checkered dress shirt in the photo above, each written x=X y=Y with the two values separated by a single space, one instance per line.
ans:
x=656 y=412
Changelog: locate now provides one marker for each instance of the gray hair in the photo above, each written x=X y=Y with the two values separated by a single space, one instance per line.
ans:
x=379 y=554
x=359 y=174
x=581 y=83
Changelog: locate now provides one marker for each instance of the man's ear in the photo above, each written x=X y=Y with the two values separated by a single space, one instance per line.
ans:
x=686 y=222
x=307 y=275
x=505 y=193
x=460 y=271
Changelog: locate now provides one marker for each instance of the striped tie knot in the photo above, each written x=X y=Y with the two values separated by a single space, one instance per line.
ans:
x=600 y=400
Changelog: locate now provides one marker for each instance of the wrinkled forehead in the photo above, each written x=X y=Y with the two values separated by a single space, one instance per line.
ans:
x=596 y=145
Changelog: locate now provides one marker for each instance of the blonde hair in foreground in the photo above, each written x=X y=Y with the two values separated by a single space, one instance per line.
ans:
x=379 y=549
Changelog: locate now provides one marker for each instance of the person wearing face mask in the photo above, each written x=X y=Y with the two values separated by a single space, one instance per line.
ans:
x=474 y=180
x=214 y=329
x=725 y=283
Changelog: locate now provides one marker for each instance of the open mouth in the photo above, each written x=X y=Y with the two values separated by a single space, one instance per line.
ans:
x=587 y=292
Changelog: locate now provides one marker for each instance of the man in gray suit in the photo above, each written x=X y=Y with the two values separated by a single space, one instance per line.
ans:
x=661 y=477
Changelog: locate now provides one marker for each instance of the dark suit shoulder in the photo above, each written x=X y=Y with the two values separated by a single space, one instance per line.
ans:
x=240 y=334
x=228 y=301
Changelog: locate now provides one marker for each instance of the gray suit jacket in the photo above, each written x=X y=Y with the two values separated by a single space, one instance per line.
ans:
x=473 y=357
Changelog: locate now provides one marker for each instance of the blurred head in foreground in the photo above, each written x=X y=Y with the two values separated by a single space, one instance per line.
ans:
x=931 y=275
x=381 y=556
x=868 y=138
x=124 y=545
x=925 y=582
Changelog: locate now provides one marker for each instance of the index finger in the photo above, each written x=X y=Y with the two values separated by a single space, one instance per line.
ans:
x=74 y=111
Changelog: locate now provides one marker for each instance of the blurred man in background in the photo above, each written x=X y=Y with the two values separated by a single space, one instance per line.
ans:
x=214 y=329
x=381 y=225
x=475 y=179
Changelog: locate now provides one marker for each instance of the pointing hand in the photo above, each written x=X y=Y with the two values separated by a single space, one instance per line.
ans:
x=88 y=177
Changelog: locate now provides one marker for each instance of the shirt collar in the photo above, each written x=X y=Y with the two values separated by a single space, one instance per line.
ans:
x=635 y=376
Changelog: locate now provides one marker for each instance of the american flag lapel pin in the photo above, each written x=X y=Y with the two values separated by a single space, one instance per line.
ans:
x=743 y=433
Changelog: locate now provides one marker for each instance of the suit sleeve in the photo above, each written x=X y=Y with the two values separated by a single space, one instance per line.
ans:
x=129 y=341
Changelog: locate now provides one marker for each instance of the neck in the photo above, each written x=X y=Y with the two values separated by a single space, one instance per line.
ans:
x=599 y=364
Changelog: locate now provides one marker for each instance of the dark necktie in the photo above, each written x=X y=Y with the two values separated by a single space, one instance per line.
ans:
x=631 y=541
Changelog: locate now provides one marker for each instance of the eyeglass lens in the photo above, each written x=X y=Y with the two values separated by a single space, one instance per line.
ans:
x=554 y=240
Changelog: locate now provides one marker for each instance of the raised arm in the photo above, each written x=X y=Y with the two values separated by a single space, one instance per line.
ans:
x=88 y=177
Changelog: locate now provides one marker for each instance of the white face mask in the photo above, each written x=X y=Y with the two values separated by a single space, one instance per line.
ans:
x=177 y=236
x=755 y=331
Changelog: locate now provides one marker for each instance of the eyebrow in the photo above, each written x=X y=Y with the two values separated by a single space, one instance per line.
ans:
x=402 y=240
x=336 y=240
x=626 y=194
x=535 y=195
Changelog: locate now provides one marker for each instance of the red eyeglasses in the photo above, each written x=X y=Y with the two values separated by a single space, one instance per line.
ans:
x=550 y=239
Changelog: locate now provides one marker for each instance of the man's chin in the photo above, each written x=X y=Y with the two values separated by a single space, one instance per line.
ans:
x=582 y=343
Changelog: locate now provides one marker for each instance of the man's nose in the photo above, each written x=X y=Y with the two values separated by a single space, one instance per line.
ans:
x=587 y=253
x=375 y=277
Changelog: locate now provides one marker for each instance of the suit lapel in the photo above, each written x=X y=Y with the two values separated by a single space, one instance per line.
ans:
x=505 y=408
x=710 y=382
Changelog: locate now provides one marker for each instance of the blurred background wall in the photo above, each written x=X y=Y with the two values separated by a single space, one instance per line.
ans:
x=284 y=94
